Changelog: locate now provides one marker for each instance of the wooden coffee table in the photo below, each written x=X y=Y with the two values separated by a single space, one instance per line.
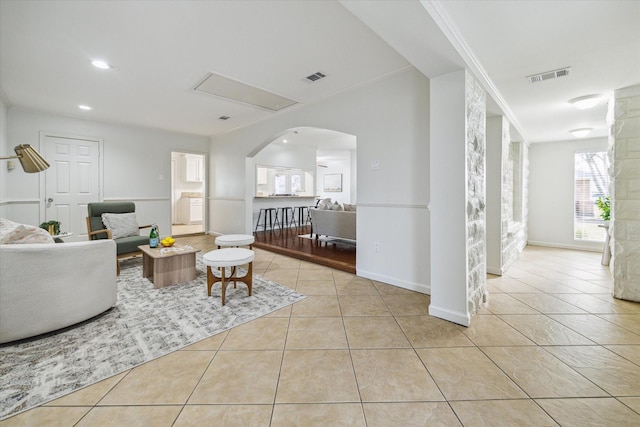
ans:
x=168 y=266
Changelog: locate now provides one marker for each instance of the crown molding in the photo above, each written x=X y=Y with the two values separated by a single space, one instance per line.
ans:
x=453 y=34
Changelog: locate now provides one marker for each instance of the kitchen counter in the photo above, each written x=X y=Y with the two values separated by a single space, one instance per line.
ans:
x=191 y=194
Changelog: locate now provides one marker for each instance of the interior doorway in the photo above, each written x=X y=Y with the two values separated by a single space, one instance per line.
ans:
x=188 y=208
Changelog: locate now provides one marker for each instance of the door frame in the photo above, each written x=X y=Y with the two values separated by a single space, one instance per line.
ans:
x=205 y=183
x=42 y=149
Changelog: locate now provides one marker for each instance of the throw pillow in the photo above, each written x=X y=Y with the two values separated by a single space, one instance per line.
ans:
x=336 y=207
x=121 y=225
x=15 y=233
x=349 y=208
x=325 y=204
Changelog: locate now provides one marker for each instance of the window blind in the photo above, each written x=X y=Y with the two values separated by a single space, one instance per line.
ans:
x=591 y=181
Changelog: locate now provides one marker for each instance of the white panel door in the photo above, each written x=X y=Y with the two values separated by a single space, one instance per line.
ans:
x=72 y=181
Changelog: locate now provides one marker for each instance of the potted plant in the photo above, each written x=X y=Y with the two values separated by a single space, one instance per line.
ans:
x=604 y=204
x=53 y=227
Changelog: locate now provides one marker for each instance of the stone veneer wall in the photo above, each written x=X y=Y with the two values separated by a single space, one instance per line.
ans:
x=624 y=152
x=514 y=234
x=476 y=192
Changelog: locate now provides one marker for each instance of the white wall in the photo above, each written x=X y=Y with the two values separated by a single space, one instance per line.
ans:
x=137 y=164
x=448 y=205
x=390 y=119
x=4 y=152
x=495 y=130
x=341 y=166
x=551 y=192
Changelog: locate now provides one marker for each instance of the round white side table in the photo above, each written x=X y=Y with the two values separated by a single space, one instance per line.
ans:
x=234 y=240
x=229 y=258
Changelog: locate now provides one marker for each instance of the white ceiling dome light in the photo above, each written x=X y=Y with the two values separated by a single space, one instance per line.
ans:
x=103 y=65
x=586 y=102
x=580 y=133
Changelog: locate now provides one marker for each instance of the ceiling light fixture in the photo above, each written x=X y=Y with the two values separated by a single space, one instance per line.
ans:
x=580 y=133
x=284 y=141
x=585 y=102
x=101 y=64
x=85 y=107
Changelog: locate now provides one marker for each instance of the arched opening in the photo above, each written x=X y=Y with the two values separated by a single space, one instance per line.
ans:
x=295 y=169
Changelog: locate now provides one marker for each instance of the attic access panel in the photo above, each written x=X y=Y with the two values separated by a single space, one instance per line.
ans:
x=234 y=90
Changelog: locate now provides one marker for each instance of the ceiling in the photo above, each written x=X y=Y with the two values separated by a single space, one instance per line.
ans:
x=161 y=51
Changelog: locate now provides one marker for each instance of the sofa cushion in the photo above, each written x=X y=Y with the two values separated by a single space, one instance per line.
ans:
x=16 y=233
x=121 y=225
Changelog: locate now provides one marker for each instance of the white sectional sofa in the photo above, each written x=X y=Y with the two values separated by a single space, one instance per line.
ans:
x=48 y=286
x=333 y=223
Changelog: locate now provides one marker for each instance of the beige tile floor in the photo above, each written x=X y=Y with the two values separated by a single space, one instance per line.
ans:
x=551 y=347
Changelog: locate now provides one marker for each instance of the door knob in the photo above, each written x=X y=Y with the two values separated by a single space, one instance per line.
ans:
x=50 y=199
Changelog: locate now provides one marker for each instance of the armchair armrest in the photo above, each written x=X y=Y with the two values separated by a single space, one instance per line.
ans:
x=93 y=233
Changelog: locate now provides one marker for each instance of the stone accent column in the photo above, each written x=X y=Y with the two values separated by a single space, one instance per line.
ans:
x=624 y=152
x=476 y=193
x=507 y=180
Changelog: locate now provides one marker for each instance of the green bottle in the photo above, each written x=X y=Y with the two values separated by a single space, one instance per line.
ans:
x=153 y=236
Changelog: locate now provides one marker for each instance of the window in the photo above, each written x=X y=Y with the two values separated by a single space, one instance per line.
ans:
x=296 y=183
x=591 y=181
x=281 y=184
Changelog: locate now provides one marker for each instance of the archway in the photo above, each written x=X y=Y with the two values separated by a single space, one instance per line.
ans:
x=322 y=155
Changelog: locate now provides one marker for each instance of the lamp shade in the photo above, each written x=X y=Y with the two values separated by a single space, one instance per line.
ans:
x=30 y=159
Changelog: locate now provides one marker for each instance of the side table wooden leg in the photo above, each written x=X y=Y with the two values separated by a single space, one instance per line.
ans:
x=249 y=279
x=224 y=286
x=210 y=279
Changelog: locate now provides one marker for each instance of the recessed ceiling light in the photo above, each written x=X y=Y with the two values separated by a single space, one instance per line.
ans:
x=585 y=102
x=284 y=141
x=85 y=107
x=580 y=133
x=101 y=64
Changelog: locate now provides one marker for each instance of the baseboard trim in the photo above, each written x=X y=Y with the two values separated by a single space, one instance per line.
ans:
x=418 y=287
x=494 y=271
x=564 y=246
x=463 y=319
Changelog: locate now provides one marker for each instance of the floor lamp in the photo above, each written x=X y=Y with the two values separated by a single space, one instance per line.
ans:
x=30 y=159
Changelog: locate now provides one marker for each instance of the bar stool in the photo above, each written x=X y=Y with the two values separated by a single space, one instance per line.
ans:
x=303 y=215
x=287 y=216
x=229 y=258
x=272 y=213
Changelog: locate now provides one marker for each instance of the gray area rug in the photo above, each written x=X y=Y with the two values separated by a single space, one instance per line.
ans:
x=145 y=323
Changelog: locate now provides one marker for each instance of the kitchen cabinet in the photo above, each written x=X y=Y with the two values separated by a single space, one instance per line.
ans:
x=191 y=210
x=193 y=167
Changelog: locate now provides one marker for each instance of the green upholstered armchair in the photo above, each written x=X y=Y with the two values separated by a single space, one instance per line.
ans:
x=126 y=247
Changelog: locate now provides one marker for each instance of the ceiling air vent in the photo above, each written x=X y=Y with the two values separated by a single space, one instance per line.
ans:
x=548 y=75
x=316 y=76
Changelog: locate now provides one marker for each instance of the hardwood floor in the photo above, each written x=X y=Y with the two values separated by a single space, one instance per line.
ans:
x=335 y=253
